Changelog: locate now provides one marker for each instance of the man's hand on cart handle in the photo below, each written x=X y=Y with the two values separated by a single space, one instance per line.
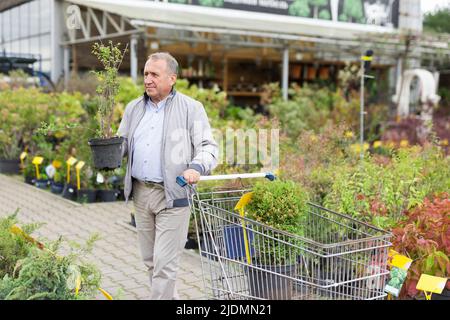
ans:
x=191 y=176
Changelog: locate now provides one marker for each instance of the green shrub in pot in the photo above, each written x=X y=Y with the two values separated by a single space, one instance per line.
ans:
x=281 y=205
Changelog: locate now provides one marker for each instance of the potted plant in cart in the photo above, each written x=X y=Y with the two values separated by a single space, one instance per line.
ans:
x=281 y=205
x=107 y=148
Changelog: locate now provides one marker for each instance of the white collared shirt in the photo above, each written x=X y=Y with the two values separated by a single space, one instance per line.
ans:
x=148 y=138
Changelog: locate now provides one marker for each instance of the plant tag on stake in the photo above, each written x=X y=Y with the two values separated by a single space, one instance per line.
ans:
x=50 y=170
x=431 y=284
x=70 y=162
x=100 y=178
x=78 y=167
x=23 y=155
x=243 y=201
x=399 y=269
x=37 y=161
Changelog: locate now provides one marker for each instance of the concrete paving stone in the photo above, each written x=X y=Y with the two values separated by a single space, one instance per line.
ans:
x=191 y=278
x=141 y=292
x=129 y=284
x=130 y=270
x=106 y=282
x=118 y=276
x=181 y=285
x=142 y=276
x=192 y=294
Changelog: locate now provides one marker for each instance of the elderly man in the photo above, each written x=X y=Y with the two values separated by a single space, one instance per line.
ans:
x=167 y=134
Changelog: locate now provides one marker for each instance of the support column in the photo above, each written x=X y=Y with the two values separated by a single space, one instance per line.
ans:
x=285 y=74
x=56 y=35
x=134 y=58
x=66 y=63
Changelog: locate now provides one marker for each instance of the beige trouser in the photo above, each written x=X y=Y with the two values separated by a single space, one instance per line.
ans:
x=162 y=236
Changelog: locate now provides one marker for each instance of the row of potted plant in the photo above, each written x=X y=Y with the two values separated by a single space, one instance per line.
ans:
x=86 y=186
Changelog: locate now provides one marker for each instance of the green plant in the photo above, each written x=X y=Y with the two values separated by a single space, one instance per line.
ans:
x=22 y=111
x=111 y=58
x=211 y=3
x=58 y=178
x=29 y=170
x=18 y=78
x=44 y=274
x=281 y=205
x=215 y=102
x=379 y=193
x=13 y=247
x=308 y=109
x=352 y=11
x=425 y=237
x=43 y=176
x=300 y=8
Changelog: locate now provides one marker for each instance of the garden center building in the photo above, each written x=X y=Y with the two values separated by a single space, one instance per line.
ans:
x=237 y=45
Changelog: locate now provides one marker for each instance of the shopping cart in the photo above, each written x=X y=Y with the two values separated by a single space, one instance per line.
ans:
x=337 y=257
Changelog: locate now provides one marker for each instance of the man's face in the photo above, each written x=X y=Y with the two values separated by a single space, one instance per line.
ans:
x=158 y=80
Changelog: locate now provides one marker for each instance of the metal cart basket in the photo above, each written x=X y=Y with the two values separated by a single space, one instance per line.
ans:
x=337 y=257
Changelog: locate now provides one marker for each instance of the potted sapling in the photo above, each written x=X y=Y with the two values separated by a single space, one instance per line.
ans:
x=57 y=184
x=70 y=185
x=29 y=173
x=281 y=206
x=87 y=192
x=107 y=191
x=42 y=182
x=107 y=147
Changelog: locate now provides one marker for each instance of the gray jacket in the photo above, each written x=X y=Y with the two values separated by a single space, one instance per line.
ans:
x=187 y=143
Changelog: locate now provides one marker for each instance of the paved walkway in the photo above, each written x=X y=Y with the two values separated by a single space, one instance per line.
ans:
x=116 y=253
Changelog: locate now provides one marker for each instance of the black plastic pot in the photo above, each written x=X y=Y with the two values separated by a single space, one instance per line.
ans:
x=106 y=153
x=57 y=187
x=41 y=183
x=191 y=242
x=9 y=166
x=121 y=196
x=30 y=180
x=107 y=195
x=69 y=192
x=86 y=195
x=273 y=286
x=445 y=295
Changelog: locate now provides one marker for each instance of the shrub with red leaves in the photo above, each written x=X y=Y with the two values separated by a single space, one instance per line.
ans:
x=425 y=237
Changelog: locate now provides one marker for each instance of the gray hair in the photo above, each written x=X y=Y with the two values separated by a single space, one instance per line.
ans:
x=172 y=64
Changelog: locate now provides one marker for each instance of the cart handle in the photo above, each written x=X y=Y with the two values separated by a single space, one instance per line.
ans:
x=268 y=175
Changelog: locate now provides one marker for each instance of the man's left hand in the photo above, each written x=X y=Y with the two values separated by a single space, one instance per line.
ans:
x=191 y=176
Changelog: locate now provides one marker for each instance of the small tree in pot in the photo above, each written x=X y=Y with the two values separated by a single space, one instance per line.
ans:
x=107 y=148
x=281 y=205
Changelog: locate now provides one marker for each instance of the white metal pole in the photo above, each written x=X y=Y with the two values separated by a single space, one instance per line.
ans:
x=285 y=77
x=361 y=120
x=66 y=65
x=133 y=58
